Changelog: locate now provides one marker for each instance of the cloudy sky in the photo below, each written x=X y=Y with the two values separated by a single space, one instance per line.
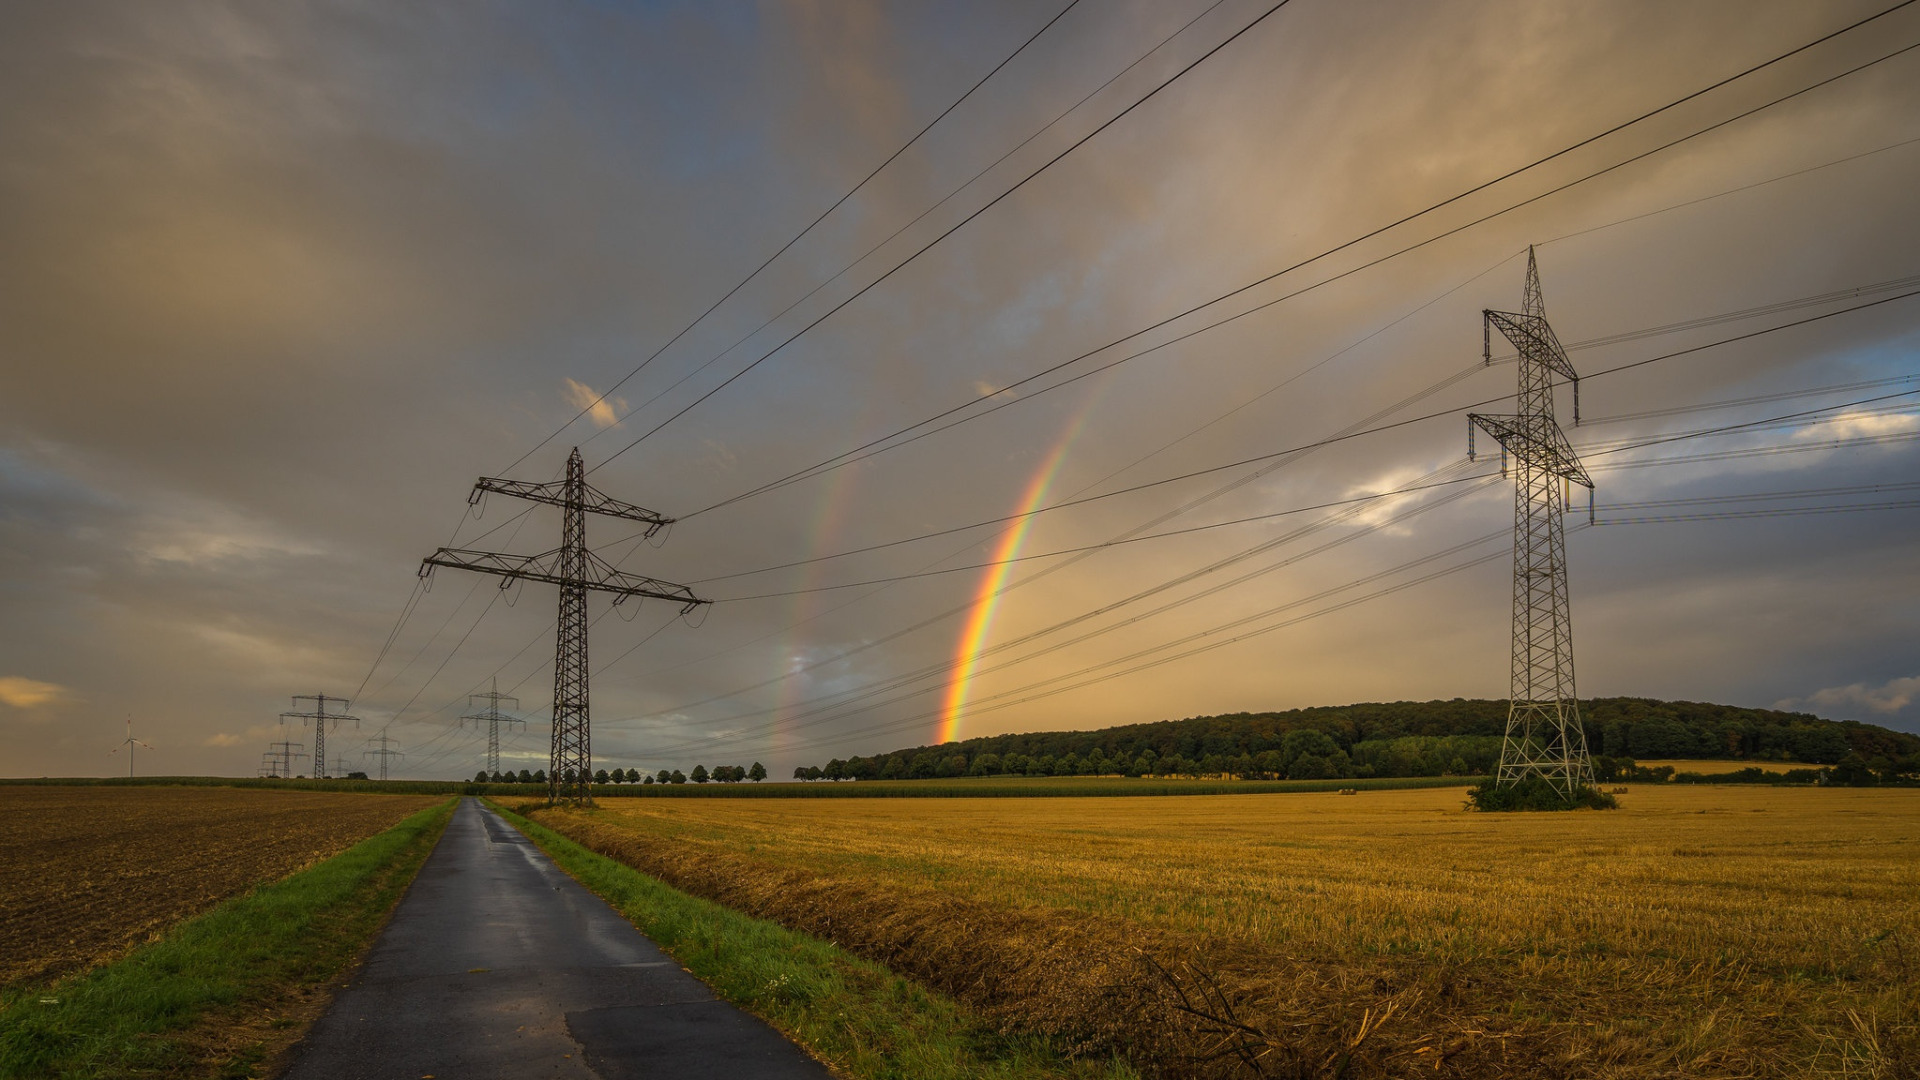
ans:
x=278 y=282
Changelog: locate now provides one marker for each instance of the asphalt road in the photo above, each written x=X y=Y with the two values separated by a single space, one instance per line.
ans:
x=497 y=964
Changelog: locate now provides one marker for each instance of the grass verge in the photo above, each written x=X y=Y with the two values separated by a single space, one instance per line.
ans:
x=852 y=1013
x=221 y=993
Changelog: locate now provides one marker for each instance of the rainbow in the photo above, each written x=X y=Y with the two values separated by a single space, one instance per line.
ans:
x=986 y=603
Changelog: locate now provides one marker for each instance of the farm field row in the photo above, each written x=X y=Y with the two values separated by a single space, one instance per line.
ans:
x=1722 y=931
x=87 y=873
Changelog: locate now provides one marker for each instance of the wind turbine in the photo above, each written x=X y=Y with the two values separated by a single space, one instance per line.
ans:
x=130 y=742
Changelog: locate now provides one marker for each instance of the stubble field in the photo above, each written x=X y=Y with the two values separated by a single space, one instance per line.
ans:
x=88 y=873
x=1695 y=932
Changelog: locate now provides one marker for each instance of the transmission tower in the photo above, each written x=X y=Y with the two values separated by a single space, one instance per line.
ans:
x=319 y=717
x=576 y=570
x=282 y=756
x=384 y=752
x=1544 y=737
x=493 y=718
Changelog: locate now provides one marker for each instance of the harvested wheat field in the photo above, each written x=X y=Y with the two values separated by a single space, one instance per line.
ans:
x=1694 y=932
x=87 y=873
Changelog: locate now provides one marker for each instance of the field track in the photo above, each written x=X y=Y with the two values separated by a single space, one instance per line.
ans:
x=87 y=873
x=1695 y=932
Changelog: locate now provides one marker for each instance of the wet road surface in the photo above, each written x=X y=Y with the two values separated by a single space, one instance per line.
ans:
x=497 y=964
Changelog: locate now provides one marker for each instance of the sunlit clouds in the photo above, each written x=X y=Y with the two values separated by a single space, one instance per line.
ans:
x=602 y=410
x=24 y=693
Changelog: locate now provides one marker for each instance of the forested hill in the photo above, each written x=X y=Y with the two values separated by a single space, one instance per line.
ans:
x=1397 y=738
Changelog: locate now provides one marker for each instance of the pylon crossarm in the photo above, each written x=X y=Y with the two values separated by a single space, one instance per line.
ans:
x=1540 y=445
x=592 y=500
x=1533 y=338
x=601 y=575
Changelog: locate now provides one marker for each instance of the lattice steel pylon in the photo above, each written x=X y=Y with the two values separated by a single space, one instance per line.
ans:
x=383 y=751
x=576 y=570
x=1544 y=736
x=493 y=718
x=320 y=716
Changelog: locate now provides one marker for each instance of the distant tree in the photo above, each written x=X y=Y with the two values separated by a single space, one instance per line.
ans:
x=647 y=779
x=677 y=777
x=601 y=777
x=1311 y=767
x=1014 y=763
x=1040 y=766
x=480 y=777
x=356 y=776
x=633 y=776
x=835 y=770
x=757 y=773
x=539 y=776
x=984 y=765
x=1853 y=771
x=699 y=774
x=1139 y=766
x=526 y=777
x=814 y=772
x=664 y=776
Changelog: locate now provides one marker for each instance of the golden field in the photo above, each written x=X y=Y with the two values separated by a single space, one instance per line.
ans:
x=1716 y=768
x=1696 y=931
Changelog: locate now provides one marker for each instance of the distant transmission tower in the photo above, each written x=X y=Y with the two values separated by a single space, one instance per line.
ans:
x=319 y=717
x=282 y=757
x=1544 y=737
x=576 y=570
x=493 y=718
x=384 y=752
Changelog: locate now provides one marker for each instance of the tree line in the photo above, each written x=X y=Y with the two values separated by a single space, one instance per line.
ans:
x=1397 y=739
x=724 y=774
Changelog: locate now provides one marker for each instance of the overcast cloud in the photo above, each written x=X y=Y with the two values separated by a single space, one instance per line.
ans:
x=277 y=283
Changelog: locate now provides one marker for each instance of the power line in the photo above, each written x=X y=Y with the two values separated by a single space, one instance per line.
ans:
x=883 y=443
x=1333 y=439
x=949 y=232
x=891 y=158
x=917 y=219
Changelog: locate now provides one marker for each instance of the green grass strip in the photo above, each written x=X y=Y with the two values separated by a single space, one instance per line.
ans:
x=868 y=1022
x=140 y=1016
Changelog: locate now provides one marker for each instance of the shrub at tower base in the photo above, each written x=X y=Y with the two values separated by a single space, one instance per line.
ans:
x=1535 y=793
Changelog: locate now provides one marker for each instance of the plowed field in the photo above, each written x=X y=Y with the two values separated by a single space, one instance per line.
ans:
x=87 y=873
